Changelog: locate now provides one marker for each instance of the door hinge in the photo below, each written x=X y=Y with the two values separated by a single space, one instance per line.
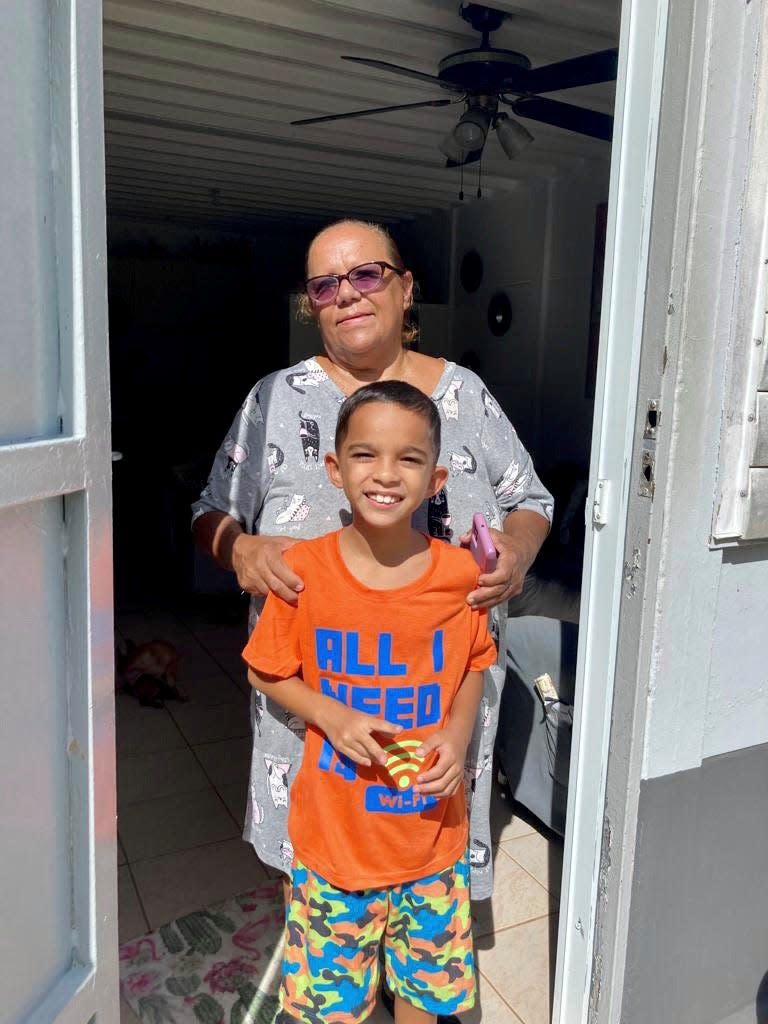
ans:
x=600 y=503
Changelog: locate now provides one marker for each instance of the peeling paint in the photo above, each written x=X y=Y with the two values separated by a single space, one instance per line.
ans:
x=605 y=859
x=596 y=984
x=631 y=570
x=596 y=977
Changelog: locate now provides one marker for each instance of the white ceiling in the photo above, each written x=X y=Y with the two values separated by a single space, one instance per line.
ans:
x=199 y=95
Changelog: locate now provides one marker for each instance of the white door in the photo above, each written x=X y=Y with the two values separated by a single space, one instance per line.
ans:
x=633 y=161
x=58 y=905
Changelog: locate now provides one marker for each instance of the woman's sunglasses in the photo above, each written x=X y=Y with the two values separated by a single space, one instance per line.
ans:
x=365 y=278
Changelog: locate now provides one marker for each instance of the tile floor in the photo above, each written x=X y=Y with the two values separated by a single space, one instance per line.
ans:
x=181 y=786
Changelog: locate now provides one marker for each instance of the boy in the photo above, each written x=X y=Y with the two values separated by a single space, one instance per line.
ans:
x=383 y=660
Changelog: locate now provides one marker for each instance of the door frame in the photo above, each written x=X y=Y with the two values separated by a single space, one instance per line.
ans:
x=73 y=467
x=637 y=110
x=612 y=476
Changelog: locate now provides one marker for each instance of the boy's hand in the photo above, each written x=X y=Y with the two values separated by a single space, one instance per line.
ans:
x=447 y=774
x=350 y=733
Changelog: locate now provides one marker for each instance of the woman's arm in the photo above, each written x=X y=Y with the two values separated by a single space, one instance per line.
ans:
x=237 y=487
x=518 y=543
x=350 y=732
x=256 y=560
x=524 y=503
x=525 y=532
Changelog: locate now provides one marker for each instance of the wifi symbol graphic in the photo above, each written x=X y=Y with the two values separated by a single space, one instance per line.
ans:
x=403 y=765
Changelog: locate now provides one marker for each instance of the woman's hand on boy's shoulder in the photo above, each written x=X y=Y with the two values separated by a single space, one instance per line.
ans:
x=258 y=563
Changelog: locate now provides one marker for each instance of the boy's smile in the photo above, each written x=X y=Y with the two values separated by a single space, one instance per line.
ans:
x=386 y=464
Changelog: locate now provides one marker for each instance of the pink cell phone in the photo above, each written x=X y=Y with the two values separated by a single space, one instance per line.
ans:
x=481 y=545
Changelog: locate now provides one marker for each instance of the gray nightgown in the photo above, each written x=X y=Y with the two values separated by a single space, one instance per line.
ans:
x=269 y=475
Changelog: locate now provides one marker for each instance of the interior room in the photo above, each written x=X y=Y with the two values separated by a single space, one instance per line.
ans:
x=213 y=195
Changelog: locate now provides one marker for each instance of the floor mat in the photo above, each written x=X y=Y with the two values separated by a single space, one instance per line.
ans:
x=220 y=965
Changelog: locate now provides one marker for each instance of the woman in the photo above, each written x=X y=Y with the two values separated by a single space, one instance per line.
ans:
x=268 y=489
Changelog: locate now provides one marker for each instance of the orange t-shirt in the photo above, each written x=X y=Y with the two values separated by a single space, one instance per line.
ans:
x=396 y=654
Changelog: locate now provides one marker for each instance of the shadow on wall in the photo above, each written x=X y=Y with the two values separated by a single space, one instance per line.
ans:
x=761 y=1001
x=699 y=890
x=749 y=553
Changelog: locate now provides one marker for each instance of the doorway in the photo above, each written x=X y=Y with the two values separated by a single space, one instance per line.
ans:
x=537 y=306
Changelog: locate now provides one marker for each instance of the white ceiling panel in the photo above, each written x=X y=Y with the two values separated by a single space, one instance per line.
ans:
x=199 y=96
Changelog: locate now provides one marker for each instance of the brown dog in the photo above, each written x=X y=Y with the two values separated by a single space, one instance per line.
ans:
x=148 y=672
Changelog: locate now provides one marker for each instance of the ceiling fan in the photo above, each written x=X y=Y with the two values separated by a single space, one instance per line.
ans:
x=484 y=77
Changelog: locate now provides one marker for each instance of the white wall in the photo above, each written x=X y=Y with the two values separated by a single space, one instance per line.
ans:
x=508 y=234
x=537 y=246
x=737 y=694
x=708 y=683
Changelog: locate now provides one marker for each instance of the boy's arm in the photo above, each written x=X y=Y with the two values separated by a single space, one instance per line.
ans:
x=447 y=774
x=350 y=732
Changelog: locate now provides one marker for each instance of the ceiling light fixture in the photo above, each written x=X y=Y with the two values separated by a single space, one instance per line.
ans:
x=472 y=129
x=449 y=147
x=513 y=136
x=468 y=135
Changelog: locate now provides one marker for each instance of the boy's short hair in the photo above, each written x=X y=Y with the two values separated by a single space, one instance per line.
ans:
x=397 y=392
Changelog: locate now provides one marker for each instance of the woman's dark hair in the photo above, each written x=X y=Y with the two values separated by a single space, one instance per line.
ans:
x=397 y=392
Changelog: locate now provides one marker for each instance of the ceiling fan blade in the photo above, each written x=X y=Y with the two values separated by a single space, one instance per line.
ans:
x=373 y=110
x=471 y=157
x=565 y=115
x=567 y=74
x=398 y=69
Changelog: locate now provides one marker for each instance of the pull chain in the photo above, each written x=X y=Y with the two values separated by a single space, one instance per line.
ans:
x=480 y=177
x=461 y=181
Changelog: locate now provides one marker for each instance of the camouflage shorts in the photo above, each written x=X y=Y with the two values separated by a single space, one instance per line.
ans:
x=333 y=938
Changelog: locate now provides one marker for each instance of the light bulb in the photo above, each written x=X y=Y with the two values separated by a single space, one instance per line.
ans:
x=513 y=136
x=468 y=135
x=472 y=129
